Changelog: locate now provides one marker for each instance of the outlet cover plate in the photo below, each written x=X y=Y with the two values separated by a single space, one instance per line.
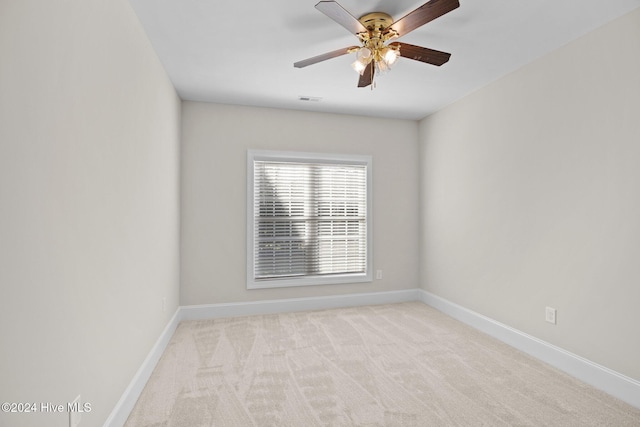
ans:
x=550 y=315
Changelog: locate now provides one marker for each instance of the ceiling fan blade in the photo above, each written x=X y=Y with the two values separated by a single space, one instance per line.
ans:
x=425 y=13
x=323 y=57
x=339 y=14
x=423 y=54
x=367 y=76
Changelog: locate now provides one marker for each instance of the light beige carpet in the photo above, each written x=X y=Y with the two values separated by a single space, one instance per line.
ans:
x=391 y=365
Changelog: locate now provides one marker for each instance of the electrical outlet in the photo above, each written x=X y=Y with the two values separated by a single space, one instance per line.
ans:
x=378 y=274
x=550 y=315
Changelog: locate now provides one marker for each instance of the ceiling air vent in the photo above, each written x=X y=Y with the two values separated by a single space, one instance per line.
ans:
x=309 y=98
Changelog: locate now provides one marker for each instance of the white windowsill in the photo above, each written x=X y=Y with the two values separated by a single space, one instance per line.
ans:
x=339 y=279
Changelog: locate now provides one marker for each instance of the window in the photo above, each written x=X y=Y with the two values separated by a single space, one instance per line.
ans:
x=308 y=219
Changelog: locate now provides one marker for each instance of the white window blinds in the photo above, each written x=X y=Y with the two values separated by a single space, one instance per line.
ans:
x=309 y=219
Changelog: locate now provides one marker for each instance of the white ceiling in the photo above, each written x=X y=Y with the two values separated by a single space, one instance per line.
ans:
x=242 y=52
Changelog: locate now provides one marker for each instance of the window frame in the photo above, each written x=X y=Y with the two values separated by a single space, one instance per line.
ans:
x=317 y=158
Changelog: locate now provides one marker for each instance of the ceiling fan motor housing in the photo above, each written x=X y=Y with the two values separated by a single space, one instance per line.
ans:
x=376 y=21
x=378 y=31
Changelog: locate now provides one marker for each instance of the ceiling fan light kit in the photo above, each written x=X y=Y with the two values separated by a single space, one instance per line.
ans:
x=373 y=44
x=376 y=55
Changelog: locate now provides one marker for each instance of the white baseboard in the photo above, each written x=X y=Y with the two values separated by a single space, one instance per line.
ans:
x=125 y=405
x=210 y=311
x=605 y=379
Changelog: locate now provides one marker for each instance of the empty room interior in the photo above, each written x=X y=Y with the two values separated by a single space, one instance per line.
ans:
x=194 y=231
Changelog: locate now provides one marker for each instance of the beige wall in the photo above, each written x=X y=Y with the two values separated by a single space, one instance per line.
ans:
x=215 y=140
x=89 y=206
x=530 y=198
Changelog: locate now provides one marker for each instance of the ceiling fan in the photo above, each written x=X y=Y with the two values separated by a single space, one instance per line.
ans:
x=374 y=30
